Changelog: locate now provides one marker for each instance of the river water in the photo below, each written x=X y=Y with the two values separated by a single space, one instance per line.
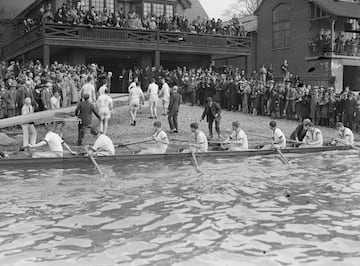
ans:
x=252 y=211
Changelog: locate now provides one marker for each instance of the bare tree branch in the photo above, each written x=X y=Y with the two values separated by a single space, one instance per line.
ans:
x=242 y=8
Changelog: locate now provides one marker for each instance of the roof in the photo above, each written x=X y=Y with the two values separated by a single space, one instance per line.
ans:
x=339 y=8
x=196 y=10
x=12 y=9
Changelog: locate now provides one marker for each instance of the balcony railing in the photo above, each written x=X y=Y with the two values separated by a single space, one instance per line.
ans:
x=149 y=38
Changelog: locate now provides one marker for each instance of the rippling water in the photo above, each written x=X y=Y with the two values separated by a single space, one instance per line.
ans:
x=239 y=212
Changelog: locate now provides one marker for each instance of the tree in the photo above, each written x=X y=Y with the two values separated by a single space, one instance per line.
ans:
x=242 y=8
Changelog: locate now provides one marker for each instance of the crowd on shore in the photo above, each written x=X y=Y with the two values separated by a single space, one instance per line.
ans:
x=77 y=15
x=256 y=94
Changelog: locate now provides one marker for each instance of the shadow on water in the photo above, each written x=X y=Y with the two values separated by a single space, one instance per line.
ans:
x=252 y=211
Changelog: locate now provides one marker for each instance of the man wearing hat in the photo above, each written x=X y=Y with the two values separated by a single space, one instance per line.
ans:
x=173 y=110
x=84 y=111
x=46 y=94
x=10 y=98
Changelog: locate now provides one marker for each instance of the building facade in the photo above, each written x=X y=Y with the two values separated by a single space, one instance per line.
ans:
x=319 y=38
x=119 y=47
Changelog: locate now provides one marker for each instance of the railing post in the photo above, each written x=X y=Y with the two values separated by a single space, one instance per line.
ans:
x=157 y=60
x=333 y=21
x=46 y=55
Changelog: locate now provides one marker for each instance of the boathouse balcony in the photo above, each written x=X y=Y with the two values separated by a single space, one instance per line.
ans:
x=46 y=36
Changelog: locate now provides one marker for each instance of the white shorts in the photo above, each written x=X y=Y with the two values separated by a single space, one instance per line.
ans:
x=104 y=113
x=153 y=100
x=134 y=104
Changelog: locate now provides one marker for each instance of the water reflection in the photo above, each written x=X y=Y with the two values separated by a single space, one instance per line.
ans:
x=239 y=212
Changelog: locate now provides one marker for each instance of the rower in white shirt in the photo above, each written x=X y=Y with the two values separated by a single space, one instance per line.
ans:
x=153 y=92
x=165 y=95
x=278 y=138
x=103 y=145
x=237 y=141
x=201 y=142
x=313 y=137
x=345 y=136
x=161 y=141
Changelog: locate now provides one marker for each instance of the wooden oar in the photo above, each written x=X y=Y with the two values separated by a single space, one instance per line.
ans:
x=283 y=159
x=196 y=164
x=95 y=163
x=133 y=143
x=346 y=144
x=260 y=136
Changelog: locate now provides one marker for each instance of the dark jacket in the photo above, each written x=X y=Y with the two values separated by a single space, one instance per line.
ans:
x=84 y=111
x=211 y=112
x=299 y=133
x=174 y=104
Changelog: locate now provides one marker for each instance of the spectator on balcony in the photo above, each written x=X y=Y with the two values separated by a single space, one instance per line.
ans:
x=90 y=17
x=60 y=14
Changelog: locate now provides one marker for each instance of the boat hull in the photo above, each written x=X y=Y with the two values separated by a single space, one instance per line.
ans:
x=67 y=162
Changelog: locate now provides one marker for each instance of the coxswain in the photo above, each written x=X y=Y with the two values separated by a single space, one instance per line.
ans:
x=136 y=96
x=201 y=142
x=237 y=141
x=278 y=138
x=54 y=142
x=345 y=137
x=300 y=131
x=313 y=137
x=103 y=145
x=161 y=141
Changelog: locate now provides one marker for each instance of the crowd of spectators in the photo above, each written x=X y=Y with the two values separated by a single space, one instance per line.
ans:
x=42 y=83
x=256 y=93
x=77 y=15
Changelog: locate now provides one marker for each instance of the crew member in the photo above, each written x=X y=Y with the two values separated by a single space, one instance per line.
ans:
x=153 y=91
x=313 y=137
x=278 y=138
x=103 y=145
x=161 y=141
x=300 y=131
x=136 y=96
x=213 y=113
x=345 y=137
x=104 y=106
x=55 y=143
x=238 y=140
x=29 y=131
x=165 y=95
x=201 y=142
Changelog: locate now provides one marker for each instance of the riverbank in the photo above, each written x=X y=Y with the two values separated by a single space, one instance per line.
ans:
x=121 y=131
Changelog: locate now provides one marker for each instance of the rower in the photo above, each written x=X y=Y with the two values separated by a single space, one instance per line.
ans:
x=201 y=142
x=278 y=137
x=346 y=136
x=313 y=137
x=300 y=131
x=161 y=141
x=3 y=155
x=103 y=145
x=237 y=141
x=55 y=143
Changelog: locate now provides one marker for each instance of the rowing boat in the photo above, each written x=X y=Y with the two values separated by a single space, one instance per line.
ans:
x=68 y=162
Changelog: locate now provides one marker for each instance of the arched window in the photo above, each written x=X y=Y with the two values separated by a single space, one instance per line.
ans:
x=281 y=26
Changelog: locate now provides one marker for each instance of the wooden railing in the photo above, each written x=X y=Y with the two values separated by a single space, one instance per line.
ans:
x=63 y=32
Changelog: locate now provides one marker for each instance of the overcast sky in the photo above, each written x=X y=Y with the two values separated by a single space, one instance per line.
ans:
x=215 y=8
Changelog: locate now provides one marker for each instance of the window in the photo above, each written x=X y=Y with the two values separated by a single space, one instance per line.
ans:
x=99 y=5
x=158 y=9
x=281 y=26
x=169 y=12
x=147 y=9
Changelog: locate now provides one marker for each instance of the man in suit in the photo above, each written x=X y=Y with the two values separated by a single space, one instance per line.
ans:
x=212 y=112
x=173 y=109
x=84 y=111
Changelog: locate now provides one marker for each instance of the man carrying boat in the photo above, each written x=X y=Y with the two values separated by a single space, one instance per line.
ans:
x=345 y=137
x=103 y=145
x=237 y=141
x=201 y=142
x=54 y=142
x=161 y=141
x=300 y=131
x=278 y=137
x=313 y=137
